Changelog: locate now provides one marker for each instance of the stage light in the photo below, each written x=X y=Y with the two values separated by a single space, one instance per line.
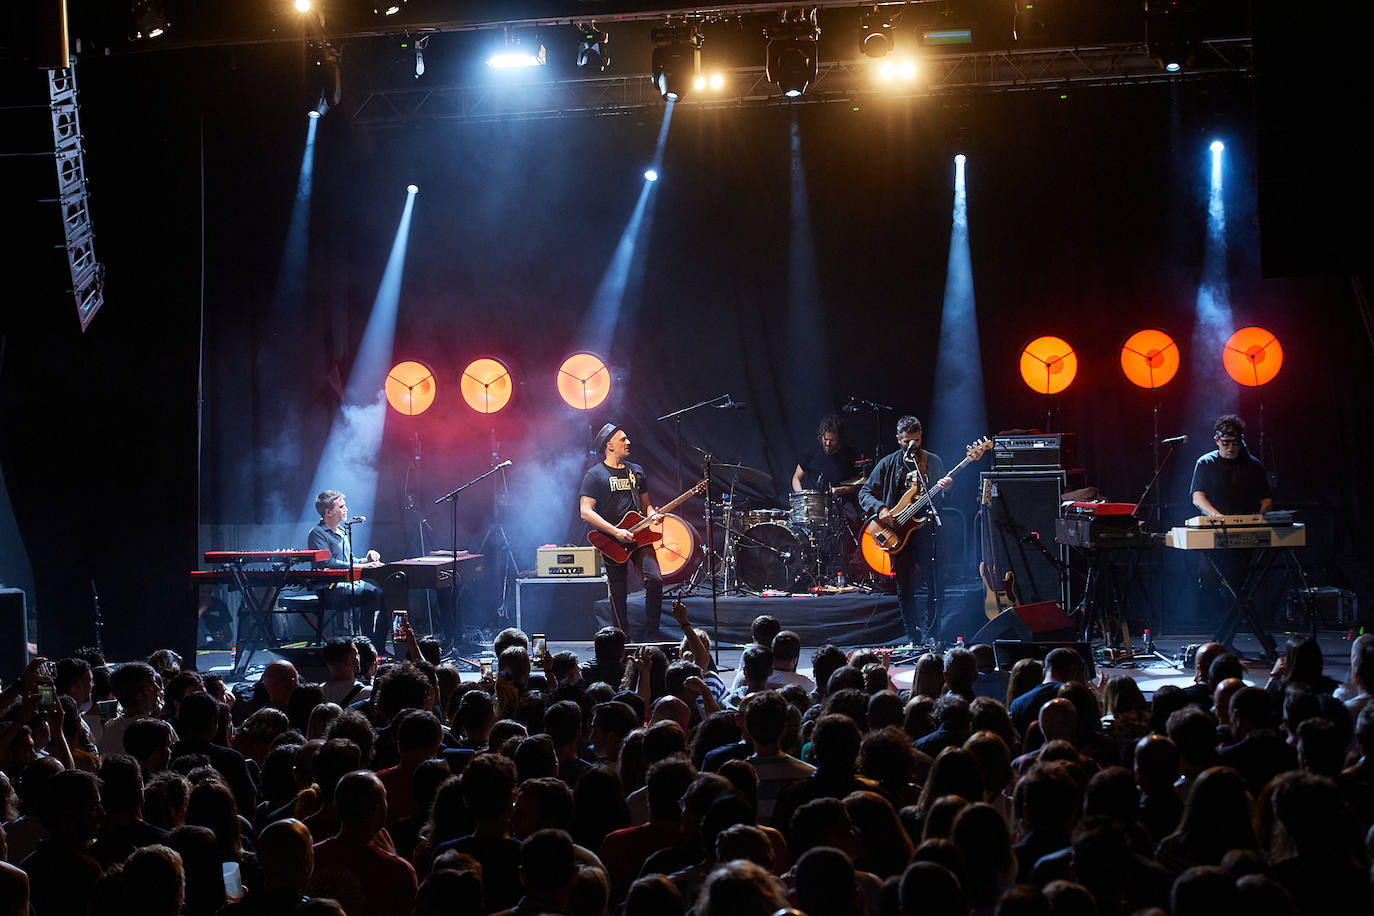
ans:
x=327 y=77
x=1252 y=356
x=1171 y=33
x=413 y=188
x=313 y=114
x=1217 y=146
x=419 y=47
x=150 y=20
x=591 y=48
x=699 y=82
x=650 y=175
x=960 y=159
x=717 y=81
x=792 y=59
x=302 y=6
x=410 y=388
x=517 y=52
x=486 y=385
x=875 y=35
x=676 y=62
x=1149 y=358
x=1048 y=365
x=584 y=381
x=389 y=8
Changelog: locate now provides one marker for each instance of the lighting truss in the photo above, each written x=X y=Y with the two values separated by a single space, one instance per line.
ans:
x=1107 y=65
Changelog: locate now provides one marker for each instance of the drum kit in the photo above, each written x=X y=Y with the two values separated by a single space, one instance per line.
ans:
x=811 y=544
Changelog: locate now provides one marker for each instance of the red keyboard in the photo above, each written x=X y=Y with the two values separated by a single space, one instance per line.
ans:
x=266 y=556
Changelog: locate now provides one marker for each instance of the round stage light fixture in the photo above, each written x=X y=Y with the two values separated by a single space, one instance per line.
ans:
x=960 y=159
x=650 y=175
x=413 y=188
x=1150 y=358
x=717 y=81
x=1048 y=365
x=1252 y=356
x=302 y=6
x=1217 y=146
x=583 y=381
x=486 y=385
x=410 y=388
x=677 y=553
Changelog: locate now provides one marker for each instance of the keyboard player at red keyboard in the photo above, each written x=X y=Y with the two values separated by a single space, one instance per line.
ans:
x=363 y=599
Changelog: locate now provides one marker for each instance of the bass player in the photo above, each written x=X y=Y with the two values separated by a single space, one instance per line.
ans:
x=611 y=488
x=914 y=565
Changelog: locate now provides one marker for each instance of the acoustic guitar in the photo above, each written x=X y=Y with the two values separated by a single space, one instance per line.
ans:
x=911 y=510
x=635 y=523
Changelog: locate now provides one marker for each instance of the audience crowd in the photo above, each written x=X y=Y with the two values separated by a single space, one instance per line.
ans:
x=641 y=782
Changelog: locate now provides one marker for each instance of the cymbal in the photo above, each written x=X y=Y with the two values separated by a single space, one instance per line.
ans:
x=852 y=482
x=745 y=471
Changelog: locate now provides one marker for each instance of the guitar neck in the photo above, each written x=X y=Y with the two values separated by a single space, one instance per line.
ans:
x=664 y=510
x=924 y=500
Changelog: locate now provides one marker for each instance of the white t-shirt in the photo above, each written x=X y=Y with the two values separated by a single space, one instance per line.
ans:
x=778 y=680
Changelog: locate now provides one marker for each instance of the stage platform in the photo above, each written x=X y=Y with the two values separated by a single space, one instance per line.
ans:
x=849 y=619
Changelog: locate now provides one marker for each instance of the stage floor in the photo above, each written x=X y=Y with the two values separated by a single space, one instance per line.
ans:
x=1150 y=673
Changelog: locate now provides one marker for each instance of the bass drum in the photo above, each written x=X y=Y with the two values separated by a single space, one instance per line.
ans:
x=773 y=556
x=677 y=553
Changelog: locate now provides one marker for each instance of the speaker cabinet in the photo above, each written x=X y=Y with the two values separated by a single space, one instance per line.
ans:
x=1023 y=506
x=562 y=609
x=14 y=634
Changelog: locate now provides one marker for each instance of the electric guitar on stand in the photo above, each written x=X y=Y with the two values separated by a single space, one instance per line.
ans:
x=911 y=511
x=635 y=523
x=999 y=588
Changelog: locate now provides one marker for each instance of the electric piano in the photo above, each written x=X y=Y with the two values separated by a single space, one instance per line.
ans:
x=1271 y=535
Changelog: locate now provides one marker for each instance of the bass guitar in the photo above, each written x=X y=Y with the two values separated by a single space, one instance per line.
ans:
x=910 y=512
x=635 y=523
x=999 y=588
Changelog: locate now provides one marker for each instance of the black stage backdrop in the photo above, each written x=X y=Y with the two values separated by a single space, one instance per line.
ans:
x=1087 y=219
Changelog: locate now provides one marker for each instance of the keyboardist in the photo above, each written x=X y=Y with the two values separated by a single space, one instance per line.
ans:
x=363 y=599
x=1230 y=480
x=1227 y=481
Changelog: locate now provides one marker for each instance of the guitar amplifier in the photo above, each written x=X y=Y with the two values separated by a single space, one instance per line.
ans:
x=568 y=562
x=1035 y=450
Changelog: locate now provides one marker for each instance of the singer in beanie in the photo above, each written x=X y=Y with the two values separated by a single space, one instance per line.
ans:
x=915 y=565
x=611 y=488
x=362 y=599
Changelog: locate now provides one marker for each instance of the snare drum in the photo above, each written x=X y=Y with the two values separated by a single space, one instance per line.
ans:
x=810 y=508
x=764 y=517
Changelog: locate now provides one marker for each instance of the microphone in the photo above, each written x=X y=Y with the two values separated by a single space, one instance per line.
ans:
x=357 y=519
x=731 y=404
x=505 y=464
x=1173 y=441
x=851 y=407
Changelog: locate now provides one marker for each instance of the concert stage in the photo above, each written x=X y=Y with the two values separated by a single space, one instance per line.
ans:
x=847 y=620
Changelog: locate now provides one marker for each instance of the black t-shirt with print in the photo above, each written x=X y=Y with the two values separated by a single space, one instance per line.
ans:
x=614 y=490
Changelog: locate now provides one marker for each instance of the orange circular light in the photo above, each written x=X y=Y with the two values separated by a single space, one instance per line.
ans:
x=878 y=560
x=1252 y=356
x=1150 y=358
x=486 y=385
x=1048 y=365
x=410 y=388
x=584 y=381
x=677 y=552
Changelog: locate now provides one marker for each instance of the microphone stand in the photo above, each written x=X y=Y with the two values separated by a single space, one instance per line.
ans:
x=676 y=416
x=451 y=497
x=710 y=540
x=1159 y=466
x=857 y=404
x=935 y=580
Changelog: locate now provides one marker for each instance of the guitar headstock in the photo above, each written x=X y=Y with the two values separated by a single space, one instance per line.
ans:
x=700 y=488
x=978 y=448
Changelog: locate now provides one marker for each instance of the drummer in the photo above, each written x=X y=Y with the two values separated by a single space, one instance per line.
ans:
x=831 y=466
